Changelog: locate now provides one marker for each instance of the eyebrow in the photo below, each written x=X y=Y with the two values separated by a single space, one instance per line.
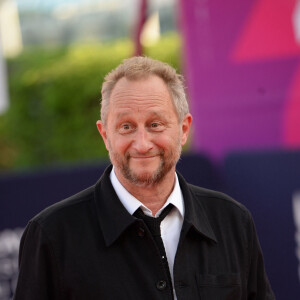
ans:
x=122 y=114
x=151 y=113
x=157 y=114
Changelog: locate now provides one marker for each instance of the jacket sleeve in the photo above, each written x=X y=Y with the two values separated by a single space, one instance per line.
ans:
x=38 y=272
x=258 y=287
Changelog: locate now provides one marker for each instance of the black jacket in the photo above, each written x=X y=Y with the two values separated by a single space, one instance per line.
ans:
x=89 y=247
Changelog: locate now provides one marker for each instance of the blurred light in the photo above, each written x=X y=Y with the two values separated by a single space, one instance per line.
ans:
x=10 y=28
x=72 y=9
x=296 y=211
x=66 y=10
x=3 y=83
x=296 y=22
x=151 y=31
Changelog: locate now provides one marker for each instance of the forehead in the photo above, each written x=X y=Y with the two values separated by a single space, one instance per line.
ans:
x=147 y=92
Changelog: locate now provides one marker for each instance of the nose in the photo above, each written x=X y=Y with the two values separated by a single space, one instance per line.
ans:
x=142 y=142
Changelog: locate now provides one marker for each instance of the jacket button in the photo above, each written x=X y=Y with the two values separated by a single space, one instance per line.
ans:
x=161 y=285
x=141 y=232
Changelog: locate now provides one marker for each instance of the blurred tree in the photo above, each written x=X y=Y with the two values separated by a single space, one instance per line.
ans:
x=55 y=95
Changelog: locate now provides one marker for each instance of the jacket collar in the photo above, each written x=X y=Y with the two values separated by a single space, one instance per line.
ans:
x=112 y=215
x=114 y=219
x=195 y=215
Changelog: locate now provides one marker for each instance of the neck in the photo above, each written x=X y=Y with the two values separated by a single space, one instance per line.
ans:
x=153 y=196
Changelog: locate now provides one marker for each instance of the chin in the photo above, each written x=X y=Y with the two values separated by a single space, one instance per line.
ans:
x=144 y=178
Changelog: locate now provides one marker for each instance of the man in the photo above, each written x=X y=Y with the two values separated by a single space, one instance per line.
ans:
x=142 y=232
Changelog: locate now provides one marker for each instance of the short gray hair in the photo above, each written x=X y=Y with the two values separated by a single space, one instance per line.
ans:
x=140 y=67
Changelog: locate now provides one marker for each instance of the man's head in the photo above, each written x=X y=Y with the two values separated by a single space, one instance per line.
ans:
x=139 y=67
x=142 y=127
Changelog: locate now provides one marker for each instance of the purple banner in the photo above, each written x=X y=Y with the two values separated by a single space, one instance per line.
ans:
x=242 y=64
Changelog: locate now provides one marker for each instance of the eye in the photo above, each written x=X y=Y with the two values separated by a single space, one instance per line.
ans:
x=125 y=128
x=156 y=126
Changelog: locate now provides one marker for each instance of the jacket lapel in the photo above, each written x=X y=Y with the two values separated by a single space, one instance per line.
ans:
x=195 y=215
x=112 y=215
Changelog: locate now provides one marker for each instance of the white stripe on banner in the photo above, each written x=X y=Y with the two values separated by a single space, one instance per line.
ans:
x=296 y=211
x=9 y=250
x=3 y=82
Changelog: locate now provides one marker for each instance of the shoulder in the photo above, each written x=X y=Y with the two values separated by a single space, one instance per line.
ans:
x=217 y=204
x=208 y=198
x=215 y=197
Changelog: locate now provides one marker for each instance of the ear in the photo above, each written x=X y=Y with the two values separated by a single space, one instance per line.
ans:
x=185 y=128
x=102 y=131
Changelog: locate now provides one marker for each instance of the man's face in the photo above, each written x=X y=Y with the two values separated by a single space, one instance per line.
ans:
x=142 y=132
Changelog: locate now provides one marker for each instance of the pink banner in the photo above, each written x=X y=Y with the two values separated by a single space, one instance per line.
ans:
x=242 y=64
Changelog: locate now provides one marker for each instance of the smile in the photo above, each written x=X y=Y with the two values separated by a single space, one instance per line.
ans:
x=143 y=157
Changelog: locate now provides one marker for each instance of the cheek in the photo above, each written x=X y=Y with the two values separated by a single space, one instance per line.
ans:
x=121 y=144
x=165 y=142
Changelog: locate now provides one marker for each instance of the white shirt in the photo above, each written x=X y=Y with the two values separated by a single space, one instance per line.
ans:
x=170 y=226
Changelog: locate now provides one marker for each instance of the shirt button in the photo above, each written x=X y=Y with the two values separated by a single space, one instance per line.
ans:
x=161 y=285
x=141 y=232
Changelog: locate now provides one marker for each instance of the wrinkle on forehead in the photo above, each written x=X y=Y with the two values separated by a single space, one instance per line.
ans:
x=153 y=105
x=140 y=102
x=141 y=92
x=131 y=93
x=145 y=95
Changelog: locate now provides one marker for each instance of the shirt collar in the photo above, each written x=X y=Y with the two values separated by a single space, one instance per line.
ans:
x=114 y=219
x=132 y=204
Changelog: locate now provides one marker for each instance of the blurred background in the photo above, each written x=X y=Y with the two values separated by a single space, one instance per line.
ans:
x=57 y=53
x=241 y=61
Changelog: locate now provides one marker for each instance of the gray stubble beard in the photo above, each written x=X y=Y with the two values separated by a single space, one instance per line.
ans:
x=147 y=180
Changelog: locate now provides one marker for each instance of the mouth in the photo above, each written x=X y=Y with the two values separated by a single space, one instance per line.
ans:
x=142 y=157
